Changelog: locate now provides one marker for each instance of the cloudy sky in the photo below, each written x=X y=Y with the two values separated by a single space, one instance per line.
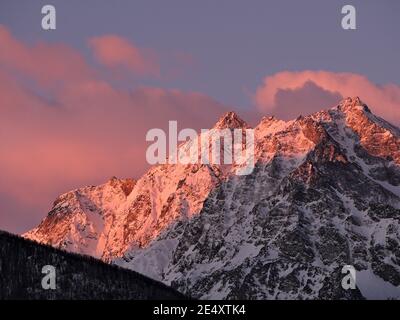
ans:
x=76 y=102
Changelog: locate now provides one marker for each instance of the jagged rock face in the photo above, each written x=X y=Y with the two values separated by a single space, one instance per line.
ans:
x=324 y=193
x=122 y=215
x=165 y=194
x=230 y=120
x=80 y=220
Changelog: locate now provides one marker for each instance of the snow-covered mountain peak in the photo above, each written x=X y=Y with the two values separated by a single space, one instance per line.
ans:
x=269 y=126
x=324 y=193
x=230 y=120
x=126 y=185
x=351 y=104
x=374 y=136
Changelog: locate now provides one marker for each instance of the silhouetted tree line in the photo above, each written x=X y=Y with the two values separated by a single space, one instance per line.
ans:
x=77 y=276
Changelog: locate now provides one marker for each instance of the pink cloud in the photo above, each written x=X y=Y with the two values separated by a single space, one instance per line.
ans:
x=383 y=99
x=120 y=54
x=48 y=64
x=80 y=132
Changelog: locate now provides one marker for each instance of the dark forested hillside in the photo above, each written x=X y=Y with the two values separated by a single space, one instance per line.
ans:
x=77 y=276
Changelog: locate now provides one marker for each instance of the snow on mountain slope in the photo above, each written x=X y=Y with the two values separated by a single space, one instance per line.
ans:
x=80 y=220
x=106 y=221
x=324 y=193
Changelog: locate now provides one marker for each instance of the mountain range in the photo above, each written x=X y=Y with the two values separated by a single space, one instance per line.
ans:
x=324 y=193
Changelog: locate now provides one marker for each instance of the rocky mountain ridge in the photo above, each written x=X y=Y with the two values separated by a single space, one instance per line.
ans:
x=324 y=193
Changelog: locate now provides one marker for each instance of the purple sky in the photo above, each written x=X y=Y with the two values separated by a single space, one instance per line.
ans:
x=234 y=44
x=212 y=56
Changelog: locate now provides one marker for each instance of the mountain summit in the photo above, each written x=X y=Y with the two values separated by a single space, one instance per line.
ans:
x=324 y=193
x=230 y=120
